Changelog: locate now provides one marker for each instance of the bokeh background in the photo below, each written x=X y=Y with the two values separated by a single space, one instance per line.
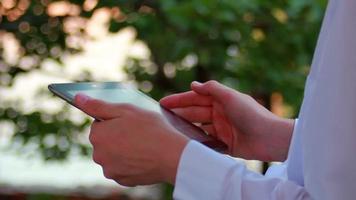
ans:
x=263 y=48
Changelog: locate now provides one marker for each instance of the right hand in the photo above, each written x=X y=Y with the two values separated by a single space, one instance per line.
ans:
x=248 y=129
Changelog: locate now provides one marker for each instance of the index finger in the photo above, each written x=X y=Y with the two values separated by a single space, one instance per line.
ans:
x=186 y=99
x=96 y=108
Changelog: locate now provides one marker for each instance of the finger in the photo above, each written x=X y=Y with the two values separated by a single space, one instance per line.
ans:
x=213 y=88
x=96 y=132
x=134 y=180
x=185 y=99
x=128 y=181
x=101 y=130
x=98 y=109
x=200 y=114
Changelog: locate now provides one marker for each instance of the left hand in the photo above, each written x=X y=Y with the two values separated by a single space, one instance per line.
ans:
x=133 y=146
x=248 y=129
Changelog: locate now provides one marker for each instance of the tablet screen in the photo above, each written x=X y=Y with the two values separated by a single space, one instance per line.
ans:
x=119 y=95
x=114 y=92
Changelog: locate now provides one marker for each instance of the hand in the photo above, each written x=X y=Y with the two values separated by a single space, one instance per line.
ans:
x=249 y=130
x=133 y=146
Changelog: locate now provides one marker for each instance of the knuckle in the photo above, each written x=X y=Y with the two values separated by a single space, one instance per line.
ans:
x=212 y=83
x=92 y=137
x=94 y=133
x=107 y=174
x=97 y=158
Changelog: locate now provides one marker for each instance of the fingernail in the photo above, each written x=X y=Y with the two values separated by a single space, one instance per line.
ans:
x=81 y=99
x=196 y=83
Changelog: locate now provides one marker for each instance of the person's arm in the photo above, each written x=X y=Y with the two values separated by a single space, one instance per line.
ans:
x=328 y=116
x=205 y=174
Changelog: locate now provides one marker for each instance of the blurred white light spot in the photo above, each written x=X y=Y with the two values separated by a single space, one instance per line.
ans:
x=11 y=48
x=146 y=86
x=49 y=140
x=139 y=50
x=232 y=50
x=7 y=130
x=169 y=70
x=190 y=61
x=96 y=26
x=62 y=8
x=27 y=62
x=89 y=4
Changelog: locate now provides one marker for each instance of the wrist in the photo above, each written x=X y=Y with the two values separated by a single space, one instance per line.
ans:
x=280 y=133
x=171 y=155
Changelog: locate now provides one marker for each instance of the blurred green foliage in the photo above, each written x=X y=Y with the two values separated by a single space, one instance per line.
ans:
x=256 y=46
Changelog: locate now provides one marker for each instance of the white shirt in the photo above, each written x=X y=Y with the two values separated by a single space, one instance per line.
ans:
x=321 y=161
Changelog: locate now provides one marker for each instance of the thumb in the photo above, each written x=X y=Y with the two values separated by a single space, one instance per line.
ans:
x=212 y=88
x=98 y=109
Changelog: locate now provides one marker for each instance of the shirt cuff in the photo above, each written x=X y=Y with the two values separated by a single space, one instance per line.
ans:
x=201 y=173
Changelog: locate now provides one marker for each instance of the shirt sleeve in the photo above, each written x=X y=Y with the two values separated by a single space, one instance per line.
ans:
x=328 y=115
x=206 y=174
